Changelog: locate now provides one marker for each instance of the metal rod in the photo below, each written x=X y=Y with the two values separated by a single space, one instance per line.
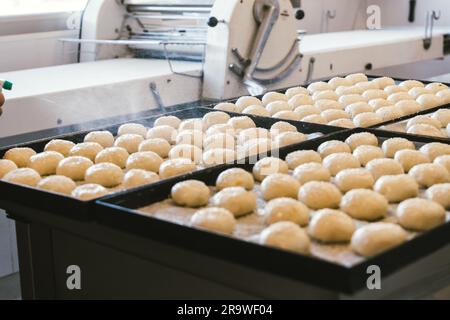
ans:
x=134 y=42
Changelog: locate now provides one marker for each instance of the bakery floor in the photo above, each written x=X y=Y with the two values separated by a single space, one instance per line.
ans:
x=10 y=287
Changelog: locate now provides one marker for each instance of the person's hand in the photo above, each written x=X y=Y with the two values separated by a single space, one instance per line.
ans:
x=2 y=101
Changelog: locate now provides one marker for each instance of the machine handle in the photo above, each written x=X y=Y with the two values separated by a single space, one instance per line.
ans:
x=212 y=22
x=412 y=10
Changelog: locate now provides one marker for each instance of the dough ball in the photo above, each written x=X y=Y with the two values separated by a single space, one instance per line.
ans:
x=89 y=191
x=225 y=106
x=280 y=127
x=358 y=178
x=318 y=86
x=286 y=209
x=268 y=166
x=364 y=204
x=163 y=132
x=444 y=95
x=86 y=149
x=176 y=167
x=157 y=145
x=392 y=145
x=337 y=162
x=311 y=171
x=279 y=185
x=307 y=110
x=319 y=195
x=425 y=130
x=384 y=167
x=410 y=158
x=343 y=90
x=333 y=114
x=129 y=142
x=215 y=117
x=418 y=91
x=367 y=119
x=409 y=84
x=214 y=219
x=220 y=128
x=256 y=110
x=192 y=137
x=366 y=153
x=327 y=104
x=24 y=176
x=339 y=82
x=278 y=106
x=441 y=160
x=170 y=121
x=300 y=100
x=219 y=140
x=74 y=167
x=286 y=235
x=436 y=87
x=328 y=225
x=380 y=103
x=333 y=146
x=367 y=85
x=343 y=123
x=146 y=160
x=217 y=156
x=443 y=116
x=420 y=214
x=235 y=199
x=440 y=193
x=132 y=128
x=235 y=177
x=428 y=174
x=191 y=124
x=395 y=89
x=186 y=151
x=6 y=166
x=326 y=94
x=116 y=155
x=357 y=77
x=296 y=158
x=288 y=138
x=244 y=102
x=435 y=149
x=383 y=82
x=255 y=147
x=190 y=193
x=59 y=145
x=139 y=177
x=57 y=184
x=424 y=120
x=375 y=238
x=239 y=123
x=362 y=138
x=399 y=96
x=45 y=163
x=397 y=188
x=252 y=133
x=428 y=101
x=357 y=108
x=105 y=174
x=103 y=138
x=287 y=115
x=272 y=97
x=349 y=99
x=295 y=91
x=408 y=106
x=20 y=156
x=389 y=113
x=314 y=118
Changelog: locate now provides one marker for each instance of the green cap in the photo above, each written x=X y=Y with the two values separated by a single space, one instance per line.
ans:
x=7 y=85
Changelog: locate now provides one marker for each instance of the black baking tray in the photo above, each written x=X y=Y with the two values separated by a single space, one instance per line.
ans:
x=12 y=195
x=118 y=211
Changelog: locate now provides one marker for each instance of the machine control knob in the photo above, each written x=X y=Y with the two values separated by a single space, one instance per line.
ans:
x=212 y=22
x=299 y=14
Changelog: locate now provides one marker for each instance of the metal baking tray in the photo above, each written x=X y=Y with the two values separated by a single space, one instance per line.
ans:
x=120 y=212
x=12 y=195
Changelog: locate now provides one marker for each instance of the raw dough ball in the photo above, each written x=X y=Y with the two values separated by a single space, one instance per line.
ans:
x=357 y=77
x=57 y=184
x=252 y=133
x=74 y=167
x=383 y=82
x=366 y=153
x=344 y=123
x=24 y=176
x=193 y=137
x=116 y=155
x=389 y=113
x=397 y=188
x=218 y=156
x=287 y=115
x=420 y=214
x=225 y=106
x=435 y=149
x=428 y=174
x=235 y=177
x=367 y=85
x=306 y=110
x=279 y=185
x=286 y=209
x=103 y=138
x=6 y=166
x=239 y=123
x=329 y=225
x=392 y=145
x=339 y=161
x=157 y=145
x=358 y=178
x=146 y=160
x=219 y=140
x=333 y=114
x=256 y=110
x=395 y=89
x=344 y=91
x=296 y=158
x=255 y=147
x=20 y=156
x=408 y=106
x=375 y=238
x=399 y=96
x=318 y=86
x=333 y=146
x=443 y=116
x=358 y=139
x=409 y=84
x=380 y=103
x=268 y=166
x=357 y=108
x=425 y=130
x=215 y=117
x=163 y=131
x=89 y=191
x=235 y=199
x=106 y=174
x=186 y=151
x=280 y=127
x=314 y=118
x=444 y=95
x=176 y=167
x=442 y=160
x=352 y=99
x=286 y=235
x=367 y=119
x=326 y=94
x=244 y=102
x=418 y=91
x=277 y=106
x=220 y=128
x=428 y=101
x=273 y=96
x=59 y=145
x=214 y=219
x=364 y=204
x=170 y=121
x=338 y=82
x=190 y=193
x=132 y=128
x=410 y=158
x=139 y=177
x=300 y=100
x=440 y=193
x=86 y=149
x=436 y=87
x=424 y=120
x=295 y=91
x=191 y=124
x=45 y=163
x=311 y=172
x=327 y=104
x=130 y=142
x=288 y=138
x=319 y=195
x=384 y=167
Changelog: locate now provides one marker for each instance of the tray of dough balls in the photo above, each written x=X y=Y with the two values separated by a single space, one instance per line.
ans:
x=335 y=204
x=88 y=165
x=353 y=101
